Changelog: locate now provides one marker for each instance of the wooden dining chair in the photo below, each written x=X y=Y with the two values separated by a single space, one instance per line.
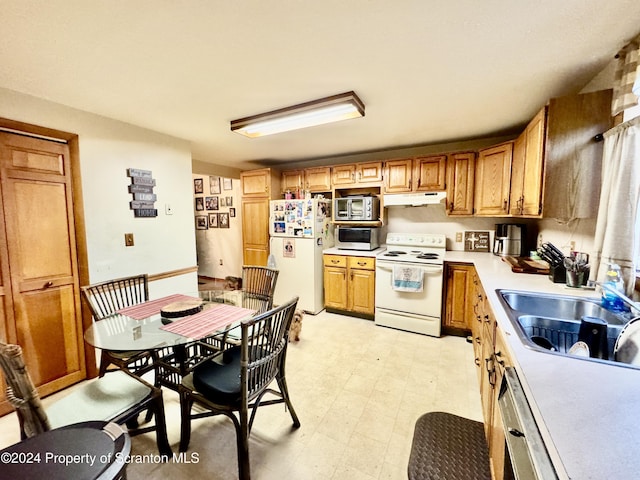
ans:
x=117 y=397
x=106 y=298
x=236 y=383
x=258 y=287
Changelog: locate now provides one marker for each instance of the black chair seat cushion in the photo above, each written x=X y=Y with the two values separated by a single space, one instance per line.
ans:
x=448 y=447
x=220 y=382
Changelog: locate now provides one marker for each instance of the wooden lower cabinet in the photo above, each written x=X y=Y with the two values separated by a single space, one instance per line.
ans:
x=492 y=358
x=459 y=293
x=349 y=284
x=497 y=445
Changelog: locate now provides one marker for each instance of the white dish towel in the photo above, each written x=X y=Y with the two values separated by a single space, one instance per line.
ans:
x=407 y=279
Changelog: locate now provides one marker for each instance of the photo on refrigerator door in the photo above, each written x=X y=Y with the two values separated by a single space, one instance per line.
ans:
x=289 y=249
x=279 y=227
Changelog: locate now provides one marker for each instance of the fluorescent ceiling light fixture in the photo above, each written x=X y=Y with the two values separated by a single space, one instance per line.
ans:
x=309 y=114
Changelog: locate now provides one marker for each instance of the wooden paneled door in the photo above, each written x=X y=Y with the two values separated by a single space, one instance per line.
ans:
x=39 y=262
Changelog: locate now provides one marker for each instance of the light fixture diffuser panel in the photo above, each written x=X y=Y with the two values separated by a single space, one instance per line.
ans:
x=317 y=112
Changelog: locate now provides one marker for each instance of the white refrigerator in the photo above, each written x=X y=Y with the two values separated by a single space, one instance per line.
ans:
x=300 y=230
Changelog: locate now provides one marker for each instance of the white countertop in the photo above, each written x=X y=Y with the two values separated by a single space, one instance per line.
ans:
x=588 y=412
x=354 y=253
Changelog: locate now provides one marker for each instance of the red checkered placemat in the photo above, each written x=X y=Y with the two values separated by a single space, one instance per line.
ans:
x=146 y=309
x=208 y=321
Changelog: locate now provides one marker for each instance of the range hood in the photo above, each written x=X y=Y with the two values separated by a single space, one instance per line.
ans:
x=414 y=199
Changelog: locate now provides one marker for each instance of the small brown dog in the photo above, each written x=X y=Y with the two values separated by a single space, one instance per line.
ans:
x=296 y=326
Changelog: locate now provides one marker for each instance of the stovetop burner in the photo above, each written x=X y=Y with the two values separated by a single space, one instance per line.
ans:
x=394 y=253
x=428 y=256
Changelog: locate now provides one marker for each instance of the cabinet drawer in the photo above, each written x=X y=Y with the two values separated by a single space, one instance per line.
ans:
x=335 y=261
x=363 y=263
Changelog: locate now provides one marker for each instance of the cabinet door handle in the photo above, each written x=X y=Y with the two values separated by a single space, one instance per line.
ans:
x=515 y=433
x=48 y=285
x=505 y=205
x=335 y=261
x=362 y=264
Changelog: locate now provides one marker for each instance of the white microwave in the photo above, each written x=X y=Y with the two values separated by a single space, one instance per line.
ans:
x=357 y=238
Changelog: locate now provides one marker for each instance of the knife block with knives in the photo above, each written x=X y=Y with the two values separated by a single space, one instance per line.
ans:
x=552 y=255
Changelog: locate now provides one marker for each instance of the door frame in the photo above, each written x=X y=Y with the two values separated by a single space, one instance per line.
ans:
x=72 y=139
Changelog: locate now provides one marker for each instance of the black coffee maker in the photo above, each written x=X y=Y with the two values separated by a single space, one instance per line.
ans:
x=509 y=240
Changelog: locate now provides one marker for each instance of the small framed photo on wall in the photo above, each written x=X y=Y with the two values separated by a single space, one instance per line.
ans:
x=197 y=185
x=213 y=220
x=232 y=212
x=227 y=183
x=214 y=185
x=229 y=201
x=201 y=222
x=211 y=203
x=223 y=220
x=199 y=203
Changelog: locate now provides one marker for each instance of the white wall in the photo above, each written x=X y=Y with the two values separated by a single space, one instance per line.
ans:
x=216 y=244
x=433 y=219
x=107 y=149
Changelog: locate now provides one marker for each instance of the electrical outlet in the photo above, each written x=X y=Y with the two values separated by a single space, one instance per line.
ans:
x=168 y=209
x=458 y=236
x=128 y=239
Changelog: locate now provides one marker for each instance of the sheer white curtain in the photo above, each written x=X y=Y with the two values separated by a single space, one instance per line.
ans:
x=617 y=228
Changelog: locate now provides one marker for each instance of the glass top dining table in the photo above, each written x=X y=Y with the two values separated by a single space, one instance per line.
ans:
x=142 y=327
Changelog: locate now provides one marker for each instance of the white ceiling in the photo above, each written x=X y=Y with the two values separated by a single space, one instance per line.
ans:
x=428 y=71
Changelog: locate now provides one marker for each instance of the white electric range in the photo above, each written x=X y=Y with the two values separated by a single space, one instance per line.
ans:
x=409 y=282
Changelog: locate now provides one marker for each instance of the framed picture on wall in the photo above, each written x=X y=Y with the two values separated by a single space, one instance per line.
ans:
x=223 y=202
x=197 y=185
x=229 y=201
x=223 y=220
x=227 y=184
x=211 y=203
x=199 y=203
x=213 y=220
x=214 y=185
x=201 y=222
x=232 y=212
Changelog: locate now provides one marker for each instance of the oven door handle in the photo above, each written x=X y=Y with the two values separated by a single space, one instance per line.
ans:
x=427 y=268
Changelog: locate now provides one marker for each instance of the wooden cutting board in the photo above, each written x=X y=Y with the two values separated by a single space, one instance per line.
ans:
x=526 y=265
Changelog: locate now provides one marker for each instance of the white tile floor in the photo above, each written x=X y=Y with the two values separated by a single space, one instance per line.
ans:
x=358 y=390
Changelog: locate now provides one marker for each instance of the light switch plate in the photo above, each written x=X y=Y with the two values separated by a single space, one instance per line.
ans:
x=128 y=239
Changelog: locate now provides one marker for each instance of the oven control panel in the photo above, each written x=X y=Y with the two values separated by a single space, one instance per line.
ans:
x=432 y=240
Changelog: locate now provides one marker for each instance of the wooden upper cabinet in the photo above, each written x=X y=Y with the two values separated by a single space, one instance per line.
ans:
x=527 y=169
x=461 y=169
x=573 y=160
x=259 y=183
x=317 y=179
x=430 y=174
x=493 y=179
x=420 y=174
x=399 y=175
x=292 y=181
x=368 y=173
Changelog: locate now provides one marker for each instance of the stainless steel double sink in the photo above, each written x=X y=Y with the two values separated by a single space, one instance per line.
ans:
x=556 y=319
